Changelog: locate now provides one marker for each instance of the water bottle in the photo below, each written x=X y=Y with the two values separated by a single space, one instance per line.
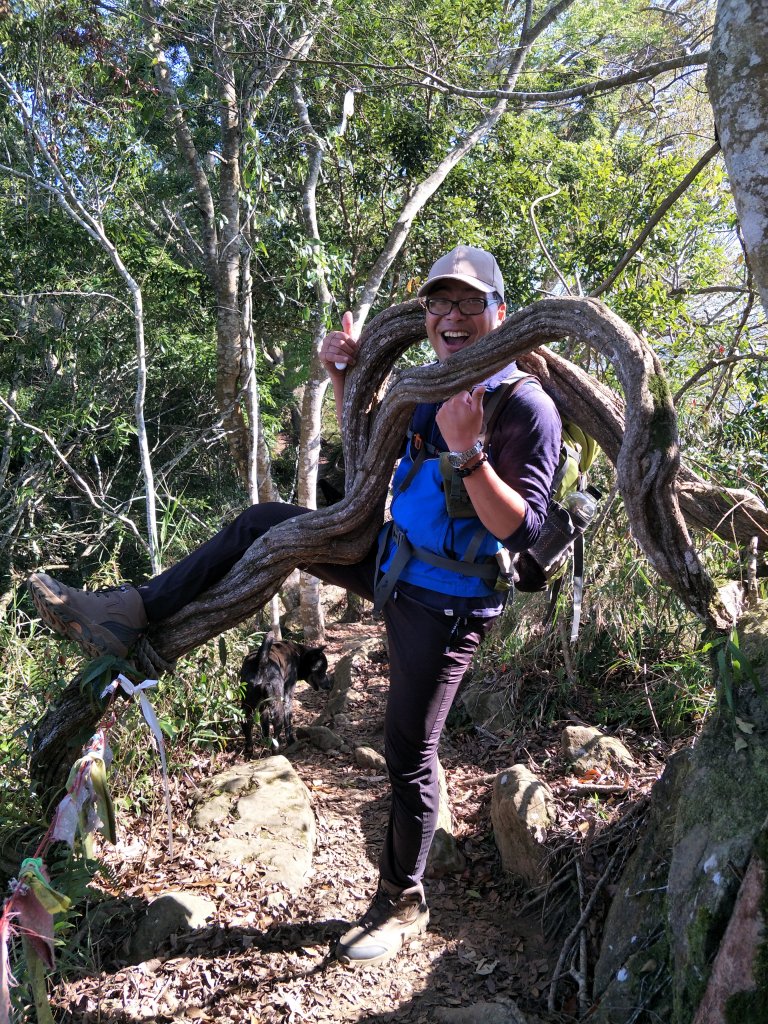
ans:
x=563 y=524
x=581 y=506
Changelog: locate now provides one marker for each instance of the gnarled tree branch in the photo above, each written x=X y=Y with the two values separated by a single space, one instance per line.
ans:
x=637 y=433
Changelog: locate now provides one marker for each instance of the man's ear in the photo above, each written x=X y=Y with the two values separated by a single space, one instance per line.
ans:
x=502 y=312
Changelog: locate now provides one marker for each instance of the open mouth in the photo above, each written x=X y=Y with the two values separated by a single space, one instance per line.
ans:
x=454 y=339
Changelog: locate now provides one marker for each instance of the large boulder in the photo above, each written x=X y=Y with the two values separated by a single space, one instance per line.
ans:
x=445 y=857
x=260 y=814
x=333 y=601
x=722 y=810
x=346 y=673
x=632 y=967
x=172 y=913
x=500 y=1012
x=677 y=893
x=586 y=747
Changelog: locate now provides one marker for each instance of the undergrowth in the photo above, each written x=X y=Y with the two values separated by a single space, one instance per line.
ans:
x=640 y=660
x=198 y=709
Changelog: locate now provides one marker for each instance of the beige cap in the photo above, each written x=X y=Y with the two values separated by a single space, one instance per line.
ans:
x=471 y=266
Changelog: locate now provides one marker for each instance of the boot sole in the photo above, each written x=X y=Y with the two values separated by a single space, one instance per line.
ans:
x=55 y=614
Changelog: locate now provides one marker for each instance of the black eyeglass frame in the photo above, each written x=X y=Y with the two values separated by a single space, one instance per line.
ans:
x=427 y=299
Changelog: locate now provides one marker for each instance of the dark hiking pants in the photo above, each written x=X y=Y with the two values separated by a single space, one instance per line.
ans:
x=429 y=653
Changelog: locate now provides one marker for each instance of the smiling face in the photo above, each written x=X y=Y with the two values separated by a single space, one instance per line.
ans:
x=454 y=331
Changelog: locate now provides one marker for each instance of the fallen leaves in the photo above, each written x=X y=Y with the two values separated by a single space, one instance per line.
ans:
x=266 y=958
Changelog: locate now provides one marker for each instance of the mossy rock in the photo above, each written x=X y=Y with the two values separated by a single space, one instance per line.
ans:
x=722 y=810
x=677 y=892
x=633 y=967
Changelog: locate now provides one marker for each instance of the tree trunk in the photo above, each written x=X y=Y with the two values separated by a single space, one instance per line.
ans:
x=312 y=620
x=737 y=80
x=231 y=351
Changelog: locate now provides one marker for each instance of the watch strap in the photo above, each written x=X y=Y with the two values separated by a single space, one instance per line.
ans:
x=465 y=472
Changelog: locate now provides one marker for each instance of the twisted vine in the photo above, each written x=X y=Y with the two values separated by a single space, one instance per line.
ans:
x=638 y=434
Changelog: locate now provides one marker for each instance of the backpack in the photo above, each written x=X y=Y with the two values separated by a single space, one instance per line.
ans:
x=571 y=508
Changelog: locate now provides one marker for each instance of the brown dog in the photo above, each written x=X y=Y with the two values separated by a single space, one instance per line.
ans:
x=270 y=675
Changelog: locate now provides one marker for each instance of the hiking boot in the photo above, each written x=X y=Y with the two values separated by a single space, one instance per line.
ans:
x=102 y=621
x=394 y=916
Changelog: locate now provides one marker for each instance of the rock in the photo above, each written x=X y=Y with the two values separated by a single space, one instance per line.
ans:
x=708 y=819
x=366 y=757
x=445 y=857
x=634 y=934
x=321 y=737
x=721 y=813
x=363 y=645
x=733 y=981
x=522 y=809
x=586 y=747
x=167 y=915
x=333 y=601
x=488 y=705
x=345 y=674
x=289 y=593
x=480 y=1013
x=260 y=813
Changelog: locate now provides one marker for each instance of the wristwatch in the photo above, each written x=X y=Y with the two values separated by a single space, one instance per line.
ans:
x=458 y=459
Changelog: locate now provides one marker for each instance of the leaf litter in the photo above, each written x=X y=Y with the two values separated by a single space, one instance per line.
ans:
x=267 y=957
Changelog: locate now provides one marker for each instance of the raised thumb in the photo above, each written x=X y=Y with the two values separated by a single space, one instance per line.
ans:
x=348 y=324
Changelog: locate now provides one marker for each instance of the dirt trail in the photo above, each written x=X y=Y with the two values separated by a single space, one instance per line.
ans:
x=266 y=958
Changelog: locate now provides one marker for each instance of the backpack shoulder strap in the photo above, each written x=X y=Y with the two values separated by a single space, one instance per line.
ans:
x=497 y=400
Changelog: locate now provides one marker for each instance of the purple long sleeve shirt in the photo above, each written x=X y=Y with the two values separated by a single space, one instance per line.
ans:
x=524 y=449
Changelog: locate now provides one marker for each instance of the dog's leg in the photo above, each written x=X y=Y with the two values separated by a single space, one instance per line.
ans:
x=248 y=730
x=288 y=716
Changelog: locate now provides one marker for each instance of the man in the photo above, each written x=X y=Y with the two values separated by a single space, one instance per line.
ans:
x=433 y=572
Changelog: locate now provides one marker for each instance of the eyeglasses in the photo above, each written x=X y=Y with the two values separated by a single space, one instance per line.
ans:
x=469 y=307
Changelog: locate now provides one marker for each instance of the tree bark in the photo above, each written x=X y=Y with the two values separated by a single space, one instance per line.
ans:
x=737 y=80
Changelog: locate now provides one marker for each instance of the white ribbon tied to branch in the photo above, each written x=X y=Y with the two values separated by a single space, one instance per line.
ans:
x=136 y=690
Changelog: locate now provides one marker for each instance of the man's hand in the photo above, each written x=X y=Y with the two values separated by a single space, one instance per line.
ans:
x=460 y=419
x=338 y=350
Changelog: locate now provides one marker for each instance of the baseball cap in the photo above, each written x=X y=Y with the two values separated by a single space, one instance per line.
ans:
x=471 y=266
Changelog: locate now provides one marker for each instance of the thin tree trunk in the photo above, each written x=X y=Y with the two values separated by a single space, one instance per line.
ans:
x=252 y=398
x=141 y=427
x=312 y=400
x=69 y=200
x=312 y=618
x=738 y=89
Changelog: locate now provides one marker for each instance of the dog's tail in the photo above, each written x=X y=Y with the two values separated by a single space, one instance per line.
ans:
x=262 y=655
x=255 y=662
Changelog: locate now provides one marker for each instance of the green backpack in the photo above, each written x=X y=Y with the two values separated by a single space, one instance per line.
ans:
x=571 y=509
